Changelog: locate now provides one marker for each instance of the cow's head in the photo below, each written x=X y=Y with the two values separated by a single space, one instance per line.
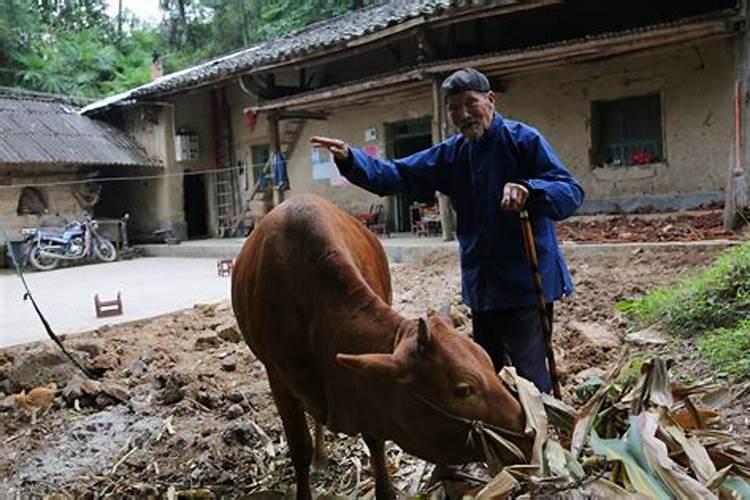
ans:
x=432 y=362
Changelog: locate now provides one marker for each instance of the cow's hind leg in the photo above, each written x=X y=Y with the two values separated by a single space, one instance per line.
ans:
x=383 y=487
x=320 y=456
x=297 y=435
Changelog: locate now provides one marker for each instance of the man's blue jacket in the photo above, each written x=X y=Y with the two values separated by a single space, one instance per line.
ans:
x=495 y=273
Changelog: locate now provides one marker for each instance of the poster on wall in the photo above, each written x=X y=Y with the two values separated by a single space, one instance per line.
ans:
x=371 y=150
x=321 y=164
x=337 y=180
x=324 y=169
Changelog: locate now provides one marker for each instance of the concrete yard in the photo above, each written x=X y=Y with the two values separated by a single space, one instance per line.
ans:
x=150 y=287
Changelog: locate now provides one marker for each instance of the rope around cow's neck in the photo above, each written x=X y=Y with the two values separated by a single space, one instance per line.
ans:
x=482 y=430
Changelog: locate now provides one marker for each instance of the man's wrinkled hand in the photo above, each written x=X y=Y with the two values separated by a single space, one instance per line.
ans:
x=514 y=197
x=338 y=148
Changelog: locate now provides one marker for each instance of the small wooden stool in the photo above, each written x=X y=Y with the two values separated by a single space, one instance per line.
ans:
x=108 y=307
x=224 y=267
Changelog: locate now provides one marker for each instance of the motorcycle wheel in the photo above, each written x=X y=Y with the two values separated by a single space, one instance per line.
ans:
x=105 y=250
x=41 y=262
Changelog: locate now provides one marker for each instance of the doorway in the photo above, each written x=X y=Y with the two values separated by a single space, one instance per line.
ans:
x=194 y=189
x=403 y=139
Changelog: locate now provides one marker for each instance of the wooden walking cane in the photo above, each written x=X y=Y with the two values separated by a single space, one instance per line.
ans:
x=536 y=278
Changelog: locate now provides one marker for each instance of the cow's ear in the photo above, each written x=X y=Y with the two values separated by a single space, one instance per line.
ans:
x=444 y=313
x=381 y=366
x=424 y=337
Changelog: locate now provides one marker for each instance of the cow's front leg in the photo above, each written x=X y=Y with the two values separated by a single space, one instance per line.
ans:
x=297 y=435
x=383 y=487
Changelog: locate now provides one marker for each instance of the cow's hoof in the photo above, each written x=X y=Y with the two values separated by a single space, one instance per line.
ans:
x=388 y=494
x=319 y=464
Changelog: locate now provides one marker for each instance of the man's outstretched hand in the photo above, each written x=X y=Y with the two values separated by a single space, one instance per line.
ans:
x=338 y=148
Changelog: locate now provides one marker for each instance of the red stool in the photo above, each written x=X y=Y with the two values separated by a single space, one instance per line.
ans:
x=224 y=267
x=108 y=307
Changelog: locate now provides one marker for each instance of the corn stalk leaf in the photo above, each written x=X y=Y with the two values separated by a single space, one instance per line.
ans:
x=602 y=488
x=657 y=456
x=585 y=418
x=718 y=479
x=697 y=455
x=653 y=387
x=561 y=415
x=500 y=487
x=639 y=474
x=737 y=487
x=560 y=462
x=533 y=407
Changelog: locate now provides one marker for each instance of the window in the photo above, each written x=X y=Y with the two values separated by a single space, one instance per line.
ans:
x=259 y=156
x=627 y=131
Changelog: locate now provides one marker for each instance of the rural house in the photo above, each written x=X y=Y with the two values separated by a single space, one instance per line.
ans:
x=637 y=98
x=49 y=157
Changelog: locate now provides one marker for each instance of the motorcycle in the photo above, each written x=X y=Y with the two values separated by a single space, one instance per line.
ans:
x=47 y=247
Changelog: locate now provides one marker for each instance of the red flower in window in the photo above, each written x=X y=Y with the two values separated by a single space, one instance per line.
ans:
x=642 y=158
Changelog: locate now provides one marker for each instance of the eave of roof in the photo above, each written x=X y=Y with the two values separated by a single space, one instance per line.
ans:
x=521 y=60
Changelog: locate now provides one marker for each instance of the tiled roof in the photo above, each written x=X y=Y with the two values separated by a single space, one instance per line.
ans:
x=316 y=37
x=327 y=35
x=46 y=131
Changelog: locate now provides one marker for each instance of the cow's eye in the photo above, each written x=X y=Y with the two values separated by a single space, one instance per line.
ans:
x=463 y=391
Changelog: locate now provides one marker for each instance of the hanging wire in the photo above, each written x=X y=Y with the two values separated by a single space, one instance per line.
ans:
x=123 y=178
x=28 y=296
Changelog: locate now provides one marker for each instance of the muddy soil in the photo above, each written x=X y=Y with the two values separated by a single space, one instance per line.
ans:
x=678 y=226
x=184 y=405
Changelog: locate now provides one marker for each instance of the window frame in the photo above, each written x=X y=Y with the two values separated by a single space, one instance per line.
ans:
x=596 y=151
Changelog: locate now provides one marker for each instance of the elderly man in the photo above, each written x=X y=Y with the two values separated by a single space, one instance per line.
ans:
x=491 y=170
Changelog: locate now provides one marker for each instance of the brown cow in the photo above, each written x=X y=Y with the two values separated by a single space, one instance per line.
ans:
x=311 y=291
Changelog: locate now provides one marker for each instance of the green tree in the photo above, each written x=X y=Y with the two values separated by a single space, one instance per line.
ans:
x=87 y=63
x=73 y=47
x=243 y=22
x=19 y=28
x=73 y=15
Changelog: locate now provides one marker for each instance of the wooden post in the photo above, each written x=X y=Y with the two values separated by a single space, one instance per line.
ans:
x=438 y=134
x=273 y=131
x=736 y=196
x=275 y=147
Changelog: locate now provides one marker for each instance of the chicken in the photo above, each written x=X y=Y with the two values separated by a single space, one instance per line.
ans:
x=38 y=398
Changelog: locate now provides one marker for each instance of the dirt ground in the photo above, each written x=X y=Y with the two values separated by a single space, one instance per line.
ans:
x=678 y=226
x=184 y=405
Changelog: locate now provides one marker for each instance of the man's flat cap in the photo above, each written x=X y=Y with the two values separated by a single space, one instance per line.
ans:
x=463 y=80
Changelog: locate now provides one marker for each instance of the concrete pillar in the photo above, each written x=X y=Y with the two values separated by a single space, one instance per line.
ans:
x=438 y=134
x=171 y=196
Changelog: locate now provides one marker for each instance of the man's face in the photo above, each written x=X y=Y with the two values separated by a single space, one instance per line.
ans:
x=471 y=112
